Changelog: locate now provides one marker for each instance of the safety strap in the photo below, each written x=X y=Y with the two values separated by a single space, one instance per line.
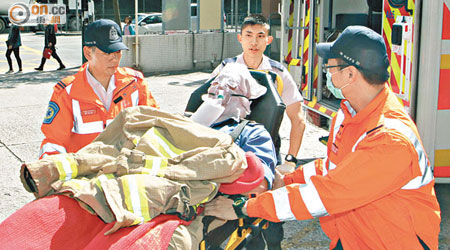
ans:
x=238 y=130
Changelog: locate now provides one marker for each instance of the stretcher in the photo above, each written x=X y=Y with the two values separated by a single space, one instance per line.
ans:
x=267 y=110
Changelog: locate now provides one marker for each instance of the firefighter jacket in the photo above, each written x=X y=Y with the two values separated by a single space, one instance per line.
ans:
x=146 y=162
x=375 y=189
x=75 y=114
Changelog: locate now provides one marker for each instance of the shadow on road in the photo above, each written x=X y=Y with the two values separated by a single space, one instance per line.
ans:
x=38 y=77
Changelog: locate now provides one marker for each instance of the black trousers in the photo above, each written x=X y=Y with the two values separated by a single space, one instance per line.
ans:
x=54 y=55
x=16 y=54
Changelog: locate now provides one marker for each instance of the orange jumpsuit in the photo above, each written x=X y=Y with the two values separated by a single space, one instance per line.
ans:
x=375 y=189
x=75 y=115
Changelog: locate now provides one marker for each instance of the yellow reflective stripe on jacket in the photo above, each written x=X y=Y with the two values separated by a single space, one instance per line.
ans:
x=76 y=184
x=101 y=178
x=66 y=165
x=206 y=198
x=135 y=198
x=166 y=148
x=155 y=166
x=145 y=211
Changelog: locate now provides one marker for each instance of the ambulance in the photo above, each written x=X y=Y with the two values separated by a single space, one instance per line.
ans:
x=417 y=36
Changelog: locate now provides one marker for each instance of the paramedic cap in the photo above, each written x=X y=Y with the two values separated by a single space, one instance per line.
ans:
x=105 y=35
x=249 y=180
x=358 y=46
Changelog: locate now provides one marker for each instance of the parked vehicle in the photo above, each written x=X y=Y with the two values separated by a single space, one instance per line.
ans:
x=413 y=30
x=148 y=23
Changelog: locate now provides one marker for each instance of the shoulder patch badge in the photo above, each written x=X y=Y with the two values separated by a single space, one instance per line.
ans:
x=52 y=110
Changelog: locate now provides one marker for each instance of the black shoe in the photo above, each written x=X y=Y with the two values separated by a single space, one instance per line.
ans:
x=39 y=68
x=61 y=67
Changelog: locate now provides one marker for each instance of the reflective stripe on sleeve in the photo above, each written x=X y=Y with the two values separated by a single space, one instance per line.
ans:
x=312 y=200
x=155 y=166
x=51 y=147
x=79 y=127
x=75 y=184
x=282 y=204
x=309 y=170
x=427 y=173
x=103 y=177
x=135 y=98
x=133 y=193
x=145 y=213
x=66 y=166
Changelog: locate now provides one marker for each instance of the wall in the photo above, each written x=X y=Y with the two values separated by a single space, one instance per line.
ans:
x=268 y=7
x=174 y=52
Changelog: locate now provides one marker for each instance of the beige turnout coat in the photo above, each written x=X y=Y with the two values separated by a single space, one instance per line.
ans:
x=146 y=162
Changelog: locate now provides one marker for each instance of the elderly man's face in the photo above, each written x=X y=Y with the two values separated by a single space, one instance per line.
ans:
x=102 y=63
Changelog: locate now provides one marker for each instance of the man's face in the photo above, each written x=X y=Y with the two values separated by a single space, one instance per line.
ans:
x=254 y=40
x=102 y=63
x=337 y=76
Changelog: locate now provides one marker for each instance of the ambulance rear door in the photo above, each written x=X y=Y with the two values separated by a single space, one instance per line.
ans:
x=433 y=88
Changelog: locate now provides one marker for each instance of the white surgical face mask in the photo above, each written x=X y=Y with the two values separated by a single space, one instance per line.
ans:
x=337 y=92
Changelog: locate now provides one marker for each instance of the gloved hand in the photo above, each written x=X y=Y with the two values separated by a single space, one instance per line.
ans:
x=286 y=168
x=278 y=181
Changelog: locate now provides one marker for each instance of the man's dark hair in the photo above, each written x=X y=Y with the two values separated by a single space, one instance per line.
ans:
x=375 y=76
x=254 y=19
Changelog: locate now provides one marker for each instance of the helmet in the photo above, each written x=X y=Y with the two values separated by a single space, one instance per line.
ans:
x=250 y=179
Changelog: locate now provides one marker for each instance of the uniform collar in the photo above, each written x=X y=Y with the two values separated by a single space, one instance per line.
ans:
x=81 y=90
x=264 y=65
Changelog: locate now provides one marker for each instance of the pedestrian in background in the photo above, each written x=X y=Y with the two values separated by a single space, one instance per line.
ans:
x=13 y=43
x=128 y=29
x=50 y=42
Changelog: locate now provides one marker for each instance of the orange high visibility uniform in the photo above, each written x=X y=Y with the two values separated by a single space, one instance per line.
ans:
x=75 y=114
x=375 y=189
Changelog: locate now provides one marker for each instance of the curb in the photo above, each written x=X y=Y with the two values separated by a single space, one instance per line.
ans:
x=39 y=72
x=78 y=33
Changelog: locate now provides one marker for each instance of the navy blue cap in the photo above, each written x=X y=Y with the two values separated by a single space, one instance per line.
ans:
x=105 y=35
x=358 y=46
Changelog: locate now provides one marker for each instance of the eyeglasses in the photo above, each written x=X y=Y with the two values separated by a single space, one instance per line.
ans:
x=333 y=66
x=325 y=68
